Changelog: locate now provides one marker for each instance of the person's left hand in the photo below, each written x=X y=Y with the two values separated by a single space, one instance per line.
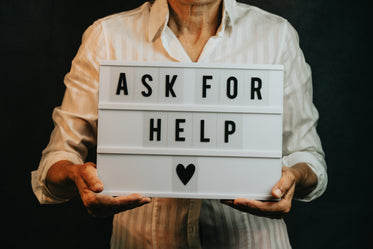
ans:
x=283 y=189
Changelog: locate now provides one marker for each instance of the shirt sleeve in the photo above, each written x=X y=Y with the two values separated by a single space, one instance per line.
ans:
x=301 y=142
x=75 y=121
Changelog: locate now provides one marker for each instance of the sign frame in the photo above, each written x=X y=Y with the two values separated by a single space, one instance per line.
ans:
x=188 y=171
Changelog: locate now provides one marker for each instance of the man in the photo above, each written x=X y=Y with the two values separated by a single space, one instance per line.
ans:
x=213 y=31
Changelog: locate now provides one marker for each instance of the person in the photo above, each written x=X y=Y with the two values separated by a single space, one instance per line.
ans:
x=214 y=31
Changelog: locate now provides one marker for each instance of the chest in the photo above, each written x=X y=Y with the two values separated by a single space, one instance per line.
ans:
x=236 y=47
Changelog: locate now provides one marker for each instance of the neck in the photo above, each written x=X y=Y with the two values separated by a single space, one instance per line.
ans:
x=194 y=22
x=193 y=15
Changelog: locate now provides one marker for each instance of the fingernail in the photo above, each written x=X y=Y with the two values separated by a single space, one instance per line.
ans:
x=98 y=187
x=147 y=199
x=278 y=193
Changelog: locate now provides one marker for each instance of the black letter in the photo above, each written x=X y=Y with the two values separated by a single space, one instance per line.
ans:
x=256 y=89
x=178 y=129
x=122 y=84
x=155 y=129
x=169 y=85
x=205 y=86
x=229 y=80
x=143 y=80
x=228 y=131
x=203 y=139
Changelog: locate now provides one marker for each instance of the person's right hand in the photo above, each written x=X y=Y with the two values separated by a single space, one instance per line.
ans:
x=66 y=180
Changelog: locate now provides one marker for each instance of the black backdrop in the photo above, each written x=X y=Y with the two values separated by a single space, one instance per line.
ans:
x=39 y=38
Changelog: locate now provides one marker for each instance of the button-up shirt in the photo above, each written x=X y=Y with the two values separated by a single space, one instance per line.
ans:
x=246 y=35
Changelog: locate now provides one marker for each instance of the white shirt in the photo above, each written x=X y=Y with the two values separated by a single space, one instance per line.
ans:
x=247 y=35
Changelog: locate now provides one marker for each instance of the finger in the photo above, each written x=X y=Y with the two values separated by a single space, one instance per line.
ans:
x=87 y=196
x=105 y=205
x=89 y=175
x=263 y=208
x=81 y=185
x=284 y=184
x=259 y=205
x=290 y=193
x=254 y=210
x=123 y=203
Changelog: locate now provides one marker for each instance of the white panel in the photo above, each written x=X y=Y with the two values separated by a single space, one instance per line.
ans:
x=175 y=79
x=257 y=87
x=229 y=132
x=189 y=86
x=116 y=129
x=220 y=131
x=146 y=82
x=211 y=178
x=207 y=87
x=180 y=129
x=238 y=176
x=185 y=175
x=232 y=87
x=135 y=173
x=262 y=132
x=152 y=135
x=114 y=78
x=275 y=95
x=205 y=130
x=104 y=90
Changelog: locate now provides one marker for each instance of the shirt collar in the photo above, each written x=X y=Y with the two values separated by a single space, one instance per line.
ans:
x=159 y=15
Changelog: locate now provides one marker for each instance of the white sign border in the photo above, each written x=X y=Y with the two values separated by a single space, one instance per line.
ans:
x=191 y=108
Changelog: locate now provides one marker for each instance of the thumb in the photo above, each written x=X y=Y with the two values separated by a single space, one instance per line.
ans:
x=89 y=175
x=284 y=184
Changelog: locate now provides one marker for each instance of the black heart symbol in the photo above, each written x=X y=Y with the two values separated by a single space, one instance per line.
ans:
x=185 y=174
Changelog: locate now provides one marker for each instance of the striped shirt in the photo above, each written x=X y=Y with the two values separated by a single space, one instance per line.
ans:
x=247 y=35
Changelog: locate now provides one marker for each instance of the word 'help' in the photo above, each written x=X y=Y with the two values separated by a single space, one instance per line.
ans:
x=156 y=128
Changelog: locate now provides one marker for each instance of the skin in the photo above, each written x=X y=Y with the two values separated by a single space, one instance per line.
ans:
x=193 y=22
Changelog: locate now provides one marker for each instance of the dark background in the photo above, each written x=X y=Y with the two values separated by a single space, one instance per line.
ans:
x=38 y=40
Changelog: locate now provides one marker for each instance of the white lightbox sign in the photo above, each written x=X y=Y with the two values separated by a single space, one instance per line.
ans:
x=190 y=130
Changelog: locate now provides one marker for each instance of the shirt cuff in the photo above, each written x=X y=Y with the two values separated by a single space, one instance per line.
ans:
x=317 y=163
x=38 y=177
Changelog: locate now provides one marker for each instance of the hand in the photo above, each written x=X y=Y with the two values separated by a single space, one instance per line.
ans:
x=99 y=205
x=82 y=179
x=284 y=189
